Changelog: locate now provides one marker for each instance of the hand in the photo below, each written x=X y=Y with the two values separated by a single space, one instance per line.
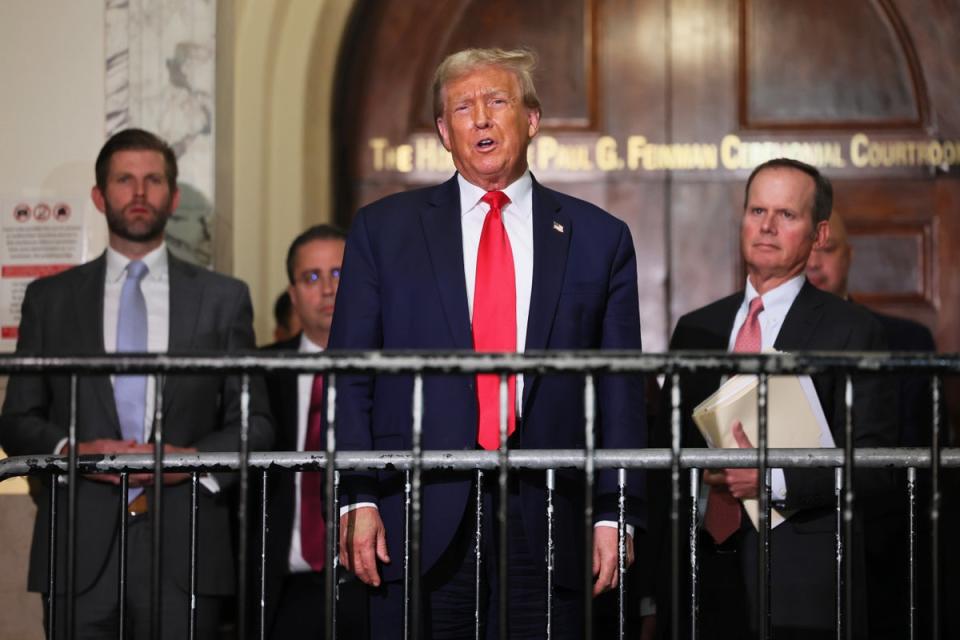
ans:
x=606 y=565
x=741 y=483
x=105 y=446
x=363 y=541
x=146 y=479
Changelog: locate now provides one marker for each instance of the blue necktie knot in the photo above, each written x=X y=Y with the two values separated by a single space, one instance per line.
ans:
x=136 y=270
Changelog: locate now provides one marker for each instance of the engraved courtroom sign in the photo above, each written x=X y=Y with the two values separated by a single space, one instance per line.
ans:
x=423 y=156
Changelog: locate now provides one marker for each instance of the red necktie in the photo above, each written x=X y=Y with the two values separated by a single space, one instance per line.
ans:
x=723 y=510
x=313 y=531
x=494 y=319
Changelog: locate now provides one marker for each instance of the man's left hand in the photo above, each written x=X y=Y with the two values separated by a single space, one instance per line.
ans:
x=742 y=483
x=606 y=565
x=146 y=479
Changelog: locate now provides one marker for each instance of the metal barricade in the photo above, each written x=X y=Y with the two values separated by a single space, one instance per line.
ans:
x=414 y=462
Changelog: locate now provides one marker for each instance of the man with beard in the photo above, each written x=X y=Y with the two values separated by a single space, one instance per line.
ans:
x=136 y=297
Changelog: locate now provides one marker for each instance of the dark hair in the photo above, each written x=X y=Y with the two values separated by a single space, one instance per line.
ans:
x=822 y=192
x=283 y=310
x=135 y=140
x=316 y=232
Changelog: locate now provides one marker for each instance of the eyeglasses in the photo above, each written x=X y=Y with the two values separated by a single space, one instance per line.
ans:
x=312 y=278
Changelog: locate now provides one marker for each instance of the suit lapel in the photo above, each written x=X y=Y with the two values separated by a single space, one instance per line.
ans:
x=186 y=298
x=444 y=237
x=90 y=331
x=798 y=327
x=551 y=242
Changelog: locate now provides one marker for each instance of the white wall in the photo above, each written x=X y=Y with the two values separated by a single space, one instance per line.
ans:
x=52 y=104
x=52 y=119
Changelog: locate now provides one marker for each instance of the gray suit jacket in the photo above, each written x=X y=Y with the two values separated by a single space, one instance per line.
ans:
x=63 y=316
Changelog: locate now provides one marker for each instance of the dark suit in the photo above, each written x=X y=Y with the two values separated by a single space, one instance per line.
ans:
x=403 y=288
x=63 y=316
x=802 y=558
x=887 y=544
x=301 y=599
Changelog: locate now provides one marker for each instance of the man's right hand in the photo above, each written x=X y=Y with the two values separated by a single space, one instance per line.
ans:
x=363 y=541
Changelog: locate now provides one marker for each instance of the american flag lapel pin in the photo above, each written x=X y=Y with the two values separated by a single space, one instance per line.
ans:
x=557 y=227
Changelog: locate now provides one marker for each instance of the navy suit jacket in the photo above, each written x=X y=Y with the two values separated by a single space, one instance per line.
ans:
x=403 y=287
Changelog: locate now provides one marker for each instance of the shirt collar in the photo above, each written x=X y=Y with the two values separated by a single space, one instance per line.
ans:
x=519 y=191
x=156 y=261
x=307 y=345
x=779 y=299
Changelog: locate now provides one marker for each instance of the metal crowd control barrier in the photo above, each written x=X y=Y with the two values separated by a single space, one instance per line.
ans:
x=502 y=462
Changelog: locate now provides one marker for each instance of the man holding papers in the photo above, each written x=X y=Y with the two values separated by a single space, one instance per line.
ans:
x=786 y=209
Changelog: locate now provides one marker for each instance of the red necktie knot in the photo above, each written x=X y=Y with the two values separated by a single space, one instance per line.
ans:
x=497 y=201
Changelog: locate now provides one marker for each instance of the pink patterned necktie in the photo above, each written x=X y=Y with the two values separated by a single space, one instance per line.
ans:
x=313 y=530
x=494 y=319
x=723 y=510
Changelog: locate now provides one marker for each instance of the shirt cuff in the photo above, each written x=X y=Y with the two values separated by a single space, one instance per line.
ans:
x=210 y=483
x=344 y=510
x=647 y=607
x=778 y=485
x=613 y=524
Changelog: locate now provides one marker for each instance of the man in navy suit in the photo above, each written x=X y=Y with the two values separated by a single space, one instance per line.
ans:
x=786 y=207
x=417 y=275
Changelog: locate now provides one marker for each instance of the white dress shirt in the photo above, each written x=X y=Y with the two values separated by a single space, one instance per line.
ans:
x=776 y=305
x=518 y=221
x=304 y=392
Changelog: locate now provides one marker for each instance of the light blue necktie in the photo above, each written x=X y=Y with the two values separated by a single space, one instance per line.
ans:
x=130 y=391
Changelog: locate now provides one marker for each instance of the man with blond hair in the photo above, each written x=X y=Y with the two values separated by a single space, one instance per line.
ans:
x=489 y=261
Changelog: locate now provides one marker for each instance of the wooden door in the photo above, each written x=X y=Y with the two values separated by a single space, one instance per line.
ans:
x=657 y=110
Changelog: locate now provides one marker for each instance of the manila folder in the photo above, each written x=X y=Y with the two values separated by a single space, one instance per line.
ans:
x=794 y=420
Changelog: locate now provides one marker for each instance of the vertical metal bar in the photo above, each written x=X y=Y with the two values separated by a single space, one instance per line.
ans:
x=912 y=551
x=588 y=468
x=936 y=391
x=122 y=554
x=194 y=515
x=72 y=479
x=848 y=509
x=156 y=612
x=675 y=518
x=477 y=554
x=407 y=506
x=336 y=558
x=262 y=600
x=694 y=560
x=332 y=511
x=502 y=477
x=52 y=560
x=551 y=548
x=764 y=603
x=244 y=502
x=621 y=551
x=838 y=548
x=416 y=513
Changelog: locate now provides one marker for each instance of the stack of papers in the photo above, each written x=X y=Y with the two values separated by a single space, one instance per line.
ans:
x=794 y=420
